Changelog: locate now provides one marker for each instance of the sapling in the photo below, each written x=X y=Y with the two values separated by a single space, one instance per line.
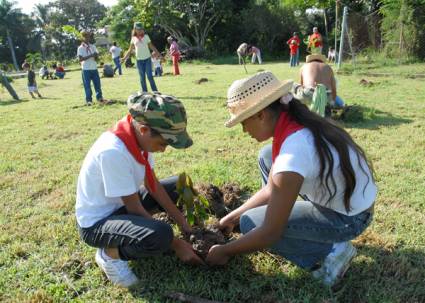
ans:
x=194 y=205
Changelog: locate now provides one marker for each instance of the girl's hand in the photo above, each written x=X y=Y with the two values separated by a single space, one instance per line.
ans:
x=185 y=228
x=185 y=252
x=226 y=225
x=216 y=256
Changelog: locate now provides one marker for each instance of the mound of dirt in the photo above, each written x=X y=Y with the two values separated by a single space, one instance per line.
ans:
x=203 y=238
x=202 y=80
x=366 y=82
x=231 y=195
x=214 y=196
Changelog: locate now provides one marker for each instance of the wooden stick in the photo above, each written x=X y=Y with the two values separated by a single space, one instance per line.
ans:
x=189 y=299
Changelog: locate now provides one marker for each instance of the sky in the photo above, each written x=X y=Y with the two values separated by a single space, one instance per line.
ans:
x=27 y=5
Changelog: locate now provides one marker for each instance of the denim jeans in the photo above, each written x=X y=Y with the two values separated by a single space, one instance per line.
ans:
x=311 y=230
x=158 y=72
x=293 y=60
x=92 y=75
x=133 y=235
x=117 y=65
x=297 y=57
x=145 y=69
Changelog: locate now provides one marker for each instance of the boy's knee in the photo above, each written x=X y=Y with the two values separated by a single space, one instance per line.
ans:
x=246 y=224
x=160 y=239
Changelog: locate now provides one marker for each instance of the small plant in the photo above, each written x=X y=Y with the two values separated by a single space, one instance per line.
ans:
x=194 y=204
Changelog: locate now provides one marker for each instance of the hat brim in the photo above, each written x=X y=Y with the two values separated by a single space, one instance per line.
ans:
x=180 y=140
x=283 y=89
x=315 y=57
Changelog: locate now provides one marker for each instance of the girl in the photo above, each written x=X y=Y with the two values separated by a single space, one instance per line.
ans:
x=175 y=54
x=310 y=157
x=142 y=43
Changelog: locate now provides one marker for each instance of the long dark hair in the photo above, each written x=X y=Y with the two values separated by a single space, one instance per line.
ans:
x=326 y=132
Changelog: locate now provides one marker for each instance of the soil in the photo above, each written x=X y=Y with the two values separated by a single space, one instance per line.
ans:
x=164 y=217
x=203 y=238
x=201 y=80
x=215 y=197
x=231 y=195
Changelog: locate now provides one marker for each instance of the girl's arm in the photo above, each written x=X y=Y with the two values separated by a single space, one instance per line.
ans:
x=153 y=48
x=285 y=187
x=128 y=52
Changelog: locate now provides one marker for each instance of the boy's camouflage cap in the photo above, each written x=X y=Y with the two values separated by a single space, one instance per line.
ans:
x=164 y=114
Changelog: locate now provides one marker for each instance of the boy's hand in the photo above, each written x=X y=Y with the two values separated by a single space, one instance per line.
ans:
x=185 y=252
x=226 y=225
x=186 y=228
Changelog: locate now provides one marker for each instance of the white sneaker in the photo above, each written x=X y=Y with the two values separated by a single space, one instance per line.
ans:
x=116 y=270
x=336 y=264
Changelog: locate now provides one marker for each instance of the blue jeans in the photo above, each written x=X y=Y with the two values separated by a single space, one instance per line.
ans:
x=117 y=65
x=92 y=75
x=297 y=57
x=158 y=72
x=311 y=230
x=145 y=69
x=293 y=60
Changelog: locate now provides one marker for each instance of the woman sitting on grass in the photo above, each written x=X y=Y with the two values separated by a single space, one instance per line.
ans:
x=311 y=157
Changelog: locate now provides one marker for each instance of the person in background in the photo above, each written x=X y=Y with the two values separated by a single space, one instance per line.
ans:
x=116 y=52
x=331 y=55
x=32 y=83
x=44 y=73
x=141 y=42
x=60 y=71
x=315 y=42
x=156 y=62
x=175 y=54
x=87 y=54
x=297 y=41
x=256 y=54
x=242 y=52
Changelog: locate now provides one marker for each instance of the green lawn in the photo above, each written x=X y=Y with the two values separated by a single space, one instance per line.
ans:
x=43 y=143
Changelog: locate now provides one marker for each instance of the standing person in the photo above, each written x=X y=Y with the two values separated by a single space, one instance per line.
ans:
x=175 y=54
x=297 y=42
x=242 y=52
x=116 y=52
x=256 y=54
x=141 y=42
x=113 y=208
x=87 y=54
x=310 y=157
x=293 y=49
x=32 y=84
x=315 y=42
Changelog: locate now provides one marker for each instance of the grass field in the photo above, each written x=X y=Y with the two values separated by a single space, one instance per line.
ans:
x=43 y=143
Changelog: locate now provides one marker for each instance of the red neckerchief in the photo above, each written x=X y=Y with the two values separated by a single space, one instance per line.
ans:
x=140 y=37
x=285 y=126
x=125 y=131
x=87 y=47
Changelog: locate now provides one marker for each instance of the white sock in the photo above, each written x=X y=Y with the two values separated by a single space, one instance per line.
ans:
x=104 y=255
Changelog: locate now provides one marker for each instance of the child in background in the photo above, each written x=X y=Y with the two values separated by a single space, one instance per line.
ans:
x=59 y=71
x=32 y=84
x=156 y=62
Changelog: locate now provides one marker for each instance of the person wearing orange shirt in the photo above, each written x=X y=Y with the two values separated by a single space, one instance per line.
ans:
x=315 y=42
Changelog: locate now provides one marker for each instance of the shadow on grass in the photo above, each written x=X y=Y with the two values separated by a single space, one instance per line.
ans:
x=99 y=105
x=13 y=102
x=359 y=116
x=377 y=274
x=201 y=98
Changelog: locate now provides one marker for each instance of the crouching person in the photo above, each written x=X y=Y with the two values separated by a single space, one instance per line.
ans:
x=118 y=190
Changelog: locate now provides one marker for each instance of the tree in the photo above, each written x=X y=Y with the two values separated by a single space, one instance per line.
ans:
x=10 y=21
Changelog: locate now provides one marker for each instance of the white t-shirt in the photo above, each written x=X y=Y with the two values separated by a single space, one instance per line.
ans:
x=298 y=154
x=84 y=50
x=115 y=51
x=142 y=47
x=108 y=172
x=156 y=63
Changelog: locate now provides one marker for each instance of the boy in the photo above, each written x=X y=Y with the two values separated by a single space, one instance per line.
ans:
x=113 y=211
x=87 y=54
x=156 y=62
x=32 y=84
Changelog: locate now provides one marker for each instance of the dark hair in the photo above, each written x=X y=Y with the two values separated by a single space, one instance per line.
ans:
x=326 y=132
x=114 y=43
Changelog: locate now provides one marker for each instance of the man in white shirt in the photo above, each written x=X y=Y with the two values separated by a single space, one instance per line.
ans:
x=115 y=52
x=87 y=54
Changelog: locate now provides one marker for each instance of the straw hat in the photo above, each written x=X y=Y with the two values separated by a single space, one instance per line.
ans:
x=248 y=96
x=315 y=57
